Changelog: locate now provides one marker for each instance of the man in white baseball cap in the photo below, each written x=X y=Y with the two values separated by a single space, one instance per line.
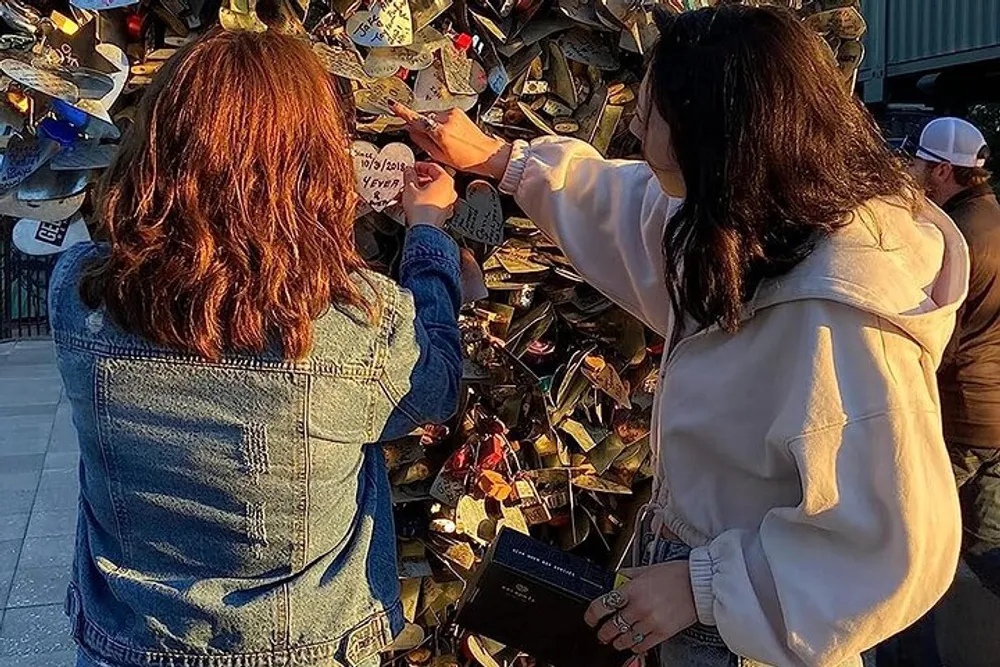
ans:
x=950 y=163
x=950 y=158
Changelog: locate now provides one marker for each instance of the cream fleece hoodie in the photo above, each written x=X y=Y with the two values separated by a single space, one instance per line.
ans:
x=802 y=457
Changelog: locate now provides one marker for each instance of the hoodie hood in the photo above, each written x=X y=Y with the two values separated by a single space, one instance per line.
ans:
x=910 y=269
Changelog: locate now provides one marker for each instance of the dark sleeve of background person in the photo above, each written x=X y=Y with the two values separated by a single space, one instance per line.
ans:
x=970 y=371
x=423 y=365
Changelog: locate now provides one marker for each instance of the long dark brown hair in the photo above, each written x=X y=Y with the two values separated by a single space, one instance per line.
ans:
x=775 y=150
x=230 y=206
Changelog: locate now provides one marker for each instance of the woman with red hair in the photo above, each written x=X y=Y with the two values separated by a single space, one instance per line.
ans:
x=229 y=360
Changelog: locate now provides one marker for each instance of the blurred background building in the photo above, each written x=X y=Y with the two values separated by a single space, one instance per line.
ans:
x=931 y=57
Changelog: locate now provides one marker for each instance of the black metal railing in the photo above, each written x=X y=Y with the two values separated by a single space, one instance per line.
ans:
x=24 y=288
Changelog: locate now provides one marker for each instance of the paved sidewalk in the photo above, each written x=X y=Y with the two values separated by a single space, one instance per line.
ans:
x=38 y=499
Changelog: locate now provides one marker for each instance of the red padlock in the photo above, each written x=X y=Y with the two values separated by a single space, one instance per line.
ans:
x=463 y=41
x=495 y=427
x=459 y=460
x=134 y=25
x=491 y=452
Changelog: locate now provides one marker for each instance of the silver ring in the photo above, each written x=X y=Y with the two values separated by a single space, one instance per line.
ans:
x=430 y=125
x=614 y=600
x=638 y=638
x=620 y=624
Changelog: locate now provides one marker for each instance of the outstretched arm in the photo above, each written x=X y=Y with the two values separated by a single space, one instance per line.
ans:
x=608 y=216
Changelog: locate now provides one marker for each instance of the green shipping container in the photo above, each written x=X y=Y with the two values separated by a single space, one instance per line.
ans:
x=913 y=37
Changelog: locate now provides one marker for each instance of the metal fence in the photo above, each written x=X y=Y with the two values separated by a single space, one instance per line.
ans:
x=24 y=286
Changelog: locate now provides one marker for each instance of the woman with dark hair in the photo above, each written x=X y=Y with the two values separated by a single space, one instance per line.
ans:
x=804 y=507
x=228 y=358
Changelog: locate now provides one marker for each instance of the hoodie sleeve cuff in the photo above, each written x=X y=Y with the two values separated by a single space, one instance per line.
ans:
x=702 y=572
x=515 y=167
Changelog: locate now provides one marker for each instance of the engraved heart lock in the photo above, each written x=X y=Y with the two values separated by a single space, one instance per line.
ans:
x=384 y=23
x=379 y=172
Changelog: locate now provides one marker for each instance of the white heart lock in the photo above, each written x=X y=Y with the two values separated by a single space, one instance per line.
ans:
x=386 y=61
x=375 y=94
x=430 y=92
x=379 y=173
x=385 y=23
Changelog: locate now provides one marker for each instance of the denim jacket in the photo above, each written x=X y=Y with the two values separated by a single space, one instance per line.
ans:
x=234 y=513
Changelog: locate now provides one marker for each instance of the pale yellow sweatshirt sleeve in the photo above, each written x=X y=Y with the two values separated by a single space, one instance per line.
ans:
x=874 y=542
x=607 y=216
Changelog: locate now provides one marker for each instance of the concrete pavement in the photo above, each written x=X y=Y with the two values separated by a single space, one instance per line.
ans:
x=38 y=499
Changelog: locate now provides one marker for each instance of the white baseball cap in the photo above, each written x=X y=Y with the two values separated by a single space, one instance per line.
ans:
x=953 y=140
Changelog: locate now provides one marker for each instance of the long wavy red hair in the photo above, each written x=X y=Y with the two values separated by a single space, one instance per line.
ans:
x=230 y=206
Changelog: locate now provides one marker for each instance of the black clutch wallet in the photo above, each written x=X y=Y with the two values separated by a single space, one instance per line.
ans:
x=532 y=597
